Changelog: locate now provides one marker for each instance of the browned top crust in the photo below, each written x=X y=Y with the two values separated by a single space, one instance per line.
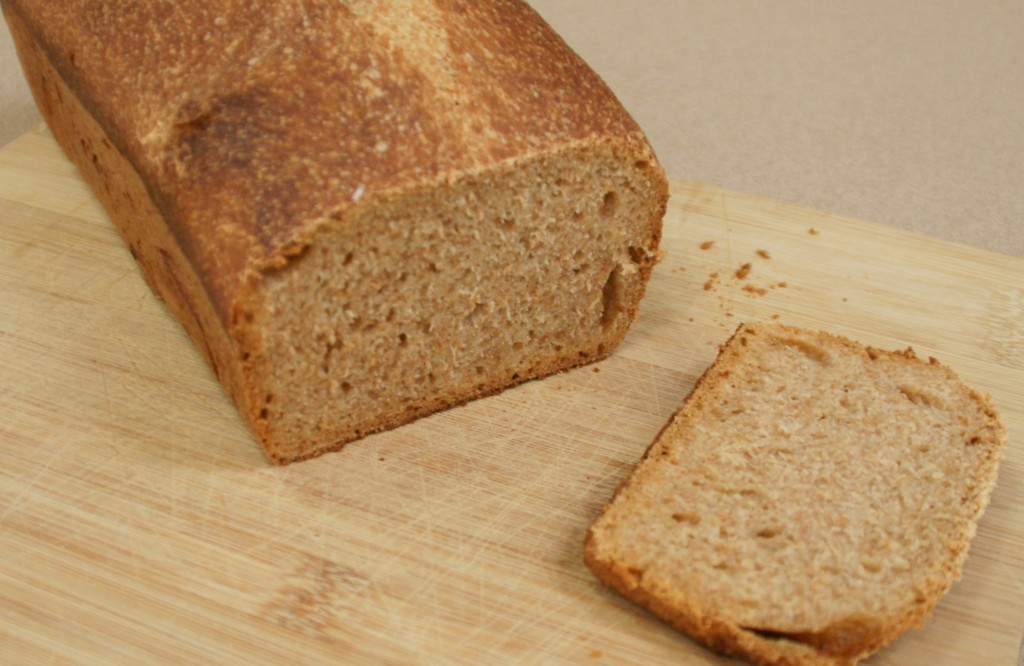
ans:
x=250 y=122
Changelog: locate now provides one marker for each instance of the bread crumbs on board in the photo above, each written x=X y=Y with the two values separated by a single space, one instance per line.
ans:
x=740 y=275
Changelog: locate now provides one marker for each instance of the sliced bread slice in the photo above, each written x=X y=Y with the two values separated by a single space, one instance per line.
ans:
x=811 y=500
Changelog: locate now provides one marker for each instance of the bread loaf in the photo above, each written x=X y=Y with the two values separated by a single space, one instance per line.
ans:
x=362 y=212
x=811 y=500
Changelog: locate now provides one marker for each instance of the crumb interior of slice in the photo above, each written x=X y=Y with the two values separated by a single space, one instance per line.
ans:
x=455 y=291
x=819 y=489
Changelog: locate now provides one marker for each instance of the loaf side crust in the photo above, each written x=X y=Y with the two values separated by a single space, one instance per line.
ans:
x=130 y=205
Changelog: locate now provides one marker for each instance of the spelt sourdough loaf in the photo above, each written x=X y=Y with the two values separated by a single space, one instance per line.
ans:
x=812 y=499
x=362 y=212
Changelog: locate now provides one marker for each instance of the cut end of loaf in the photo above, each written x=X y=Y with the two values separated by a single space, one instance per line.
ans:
x=424 y=300
x=811 y=500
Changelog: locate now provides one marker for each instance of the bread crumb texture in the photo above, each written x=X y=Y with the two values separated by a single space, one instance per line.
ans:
x=451 y=293
x=811 y=500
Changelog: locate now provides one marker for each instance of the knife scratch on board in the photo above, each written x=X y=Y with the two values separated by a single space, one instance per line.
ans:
x=28 y=485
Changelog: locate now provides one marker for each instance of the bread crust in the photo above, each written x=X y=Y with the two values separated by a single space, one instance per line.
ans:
x=841 y=643
x=222 y=137
x=127 y=199
x=240 y=183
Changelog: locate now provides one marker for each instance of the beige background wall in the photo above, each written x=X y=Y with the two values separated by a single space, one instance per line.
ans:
x=907 y=113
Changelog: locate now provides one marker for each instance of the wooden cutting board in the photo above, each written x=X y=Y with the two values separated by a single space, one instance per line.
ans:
x=140 y=523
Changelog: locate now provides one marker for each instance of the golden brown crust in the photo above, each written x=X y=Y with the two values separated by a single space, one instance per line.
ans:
x=127 y=200
x=202 y=99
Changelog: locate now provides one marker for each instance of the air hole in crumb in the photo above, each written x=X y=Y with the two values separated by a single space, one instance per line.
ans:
x=685 y=517
x=637 y=254
x=403 y=339
x=641 y=164
x=769 y=532
x=808 y=349
x=611 y=296
x=479 y=310
x=871 y=566
x=264 y=413
x=346 y=387
x=506 y=222
x=479 y=369
x=609 y=203
x=919 y=397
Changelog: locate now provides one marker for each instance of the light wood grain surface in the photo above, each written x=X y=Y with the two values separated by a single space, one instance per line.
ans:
x=904 y=113
x=139 y=522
